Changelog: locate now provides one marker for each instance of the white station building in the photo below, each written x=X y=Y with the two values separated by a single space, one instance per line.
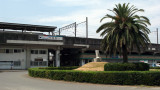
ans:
x=23 y=46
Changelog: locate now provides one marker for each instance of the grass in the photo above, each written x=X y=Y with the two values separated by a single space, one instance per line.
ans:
x=154 y=69
x=92 y=66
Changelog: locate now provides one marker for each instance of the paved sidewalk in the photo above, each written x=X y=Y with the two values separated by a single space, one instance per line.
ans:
x=19 y=80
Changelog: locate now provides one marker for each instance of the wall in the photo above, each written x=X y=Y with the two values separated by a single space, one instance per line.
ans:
x=14 y=57
x=44 y=56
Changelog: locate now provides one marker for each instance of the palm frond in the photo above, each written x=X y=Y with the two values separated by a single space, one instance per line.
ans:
x=126 y=31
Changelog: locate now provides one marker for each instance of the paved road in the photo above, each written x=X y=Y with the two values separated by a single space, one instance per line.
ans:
x=19 y=80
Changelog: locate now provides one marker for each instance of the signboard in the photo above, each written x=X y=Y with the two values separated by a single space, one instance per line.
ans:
x=46 y=37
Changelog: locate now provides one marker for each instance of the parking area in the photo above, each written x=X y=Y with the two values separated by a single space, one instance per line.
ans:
x=19 y=80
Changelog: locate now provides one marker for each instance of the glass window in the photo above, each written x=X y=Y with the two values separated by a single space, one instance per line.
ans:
x=9 y=50
x=17 y=50
x=42 y=51
x=2 y=50
x=17 y=63
x=34 y=51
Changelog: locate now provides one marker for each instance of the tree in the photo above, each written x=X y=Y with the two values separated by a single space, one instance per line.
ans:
x=125 y=31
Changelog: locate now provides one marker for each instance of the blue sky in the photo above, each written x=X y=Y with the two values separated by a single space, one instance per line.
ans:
x=62 y=12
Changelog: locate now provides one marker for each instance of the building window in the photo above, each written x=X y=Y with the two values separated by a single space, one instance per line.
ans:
x=2 y=51
x=34 y=51
x=9 y=50
x=22 y=50
x=38 y=51
x=17 y=63
x=17 y=50
x=42 y=51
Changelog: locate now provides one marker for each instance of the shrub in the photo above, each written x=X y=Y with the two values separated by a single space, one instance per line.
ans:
x=102 y=77
x=60 y=68
x=126 y=67
x=154 y=67
x=142 y=66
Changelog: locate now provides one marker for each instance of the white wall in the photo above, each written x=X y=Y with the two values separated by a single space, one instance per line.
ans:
x=44 y=56
x=14 y=57
x=22 y=57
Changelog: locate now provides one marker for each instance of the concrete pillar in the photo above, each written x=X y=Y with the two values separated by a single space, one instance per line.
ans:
x=82 y=62
x=28 y=57
x=54 y=58
x=57 y=58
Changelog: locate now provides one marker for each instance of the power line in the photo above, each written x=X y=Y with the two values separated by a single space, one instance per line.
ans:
x=75 y=26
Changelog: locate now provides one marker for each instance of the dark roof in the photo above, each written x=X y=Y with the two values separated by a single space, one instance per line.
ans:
x=27 y=27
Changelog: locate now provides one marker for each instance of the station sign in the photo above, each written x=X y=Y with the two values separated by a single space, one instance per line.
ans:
x=47 y=37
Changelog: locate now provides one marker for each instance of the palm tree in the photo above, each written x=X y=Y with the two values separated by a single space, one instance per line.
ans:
x=125 y=31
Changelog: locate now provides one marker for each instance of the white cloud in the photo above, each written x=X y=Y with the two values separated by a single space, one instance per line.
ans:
x=95 y=10
x=54 y=19
x=155 y=22
x=71 y=3
x=93 y=15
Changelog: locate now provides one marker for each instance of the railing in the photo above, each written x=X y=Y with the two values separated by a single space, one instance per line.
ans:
x=39 y=63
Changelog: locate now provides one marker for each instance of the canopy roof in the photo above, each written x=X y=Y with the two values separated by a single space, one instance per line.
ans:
x=27 y=27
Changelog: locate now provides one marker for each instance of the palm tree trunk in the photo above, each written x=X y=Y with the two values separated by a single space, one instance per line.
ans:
x=125 y=54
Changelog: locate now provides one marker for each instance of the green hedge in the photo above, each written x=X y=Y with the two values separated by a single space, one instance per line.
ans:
x=60 y=68
x=126 y=67
x=154 y=67
x=101 y=77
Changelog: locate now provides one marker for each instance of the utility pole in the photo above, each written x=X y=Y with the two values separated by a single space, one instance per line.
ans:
x=59 y=31
x=157 y=39
x=86 y=27
x=75 y=28
x=157 y=35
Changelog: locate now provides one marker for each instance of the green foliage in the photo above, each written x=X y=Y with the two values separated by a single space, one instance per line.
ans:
x=125 y=31
x=105 y=77
x=60 y=68
x=154 y=67
x=142 y=66
x=126 y=67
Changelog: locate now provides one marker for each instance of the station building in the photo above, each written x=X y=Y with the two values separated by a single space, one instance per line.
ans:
x=23 y=46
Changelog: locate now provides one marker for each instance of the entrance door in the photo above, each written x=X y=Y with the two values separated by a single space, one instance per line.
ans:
x=70 y=57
